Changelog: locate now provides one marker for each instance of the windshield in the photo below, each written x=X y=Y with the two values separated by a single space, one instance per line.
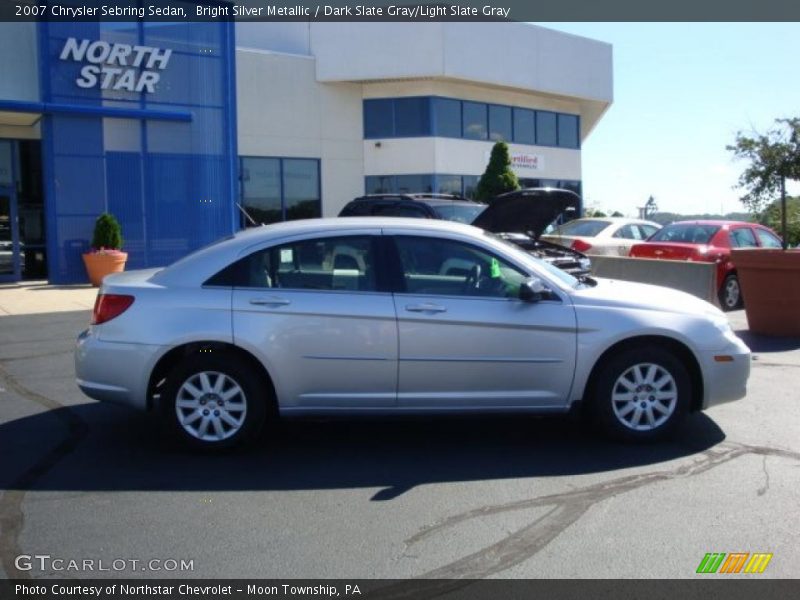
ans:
x=460 y=213
x=686 y=233
x=562 y=276
x=582 y=227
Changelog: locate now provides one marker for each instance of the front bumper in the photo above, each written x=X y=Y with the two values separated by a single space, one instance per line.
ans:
x=726 y=371
x=114 y=372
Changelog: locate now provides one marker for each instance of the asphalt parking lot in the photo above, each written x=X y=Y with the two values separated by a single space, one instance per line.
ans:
x=381 y=499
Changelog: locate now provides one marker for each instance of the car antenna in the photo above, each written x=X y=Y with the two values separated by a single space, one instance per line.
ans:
x=247 y=215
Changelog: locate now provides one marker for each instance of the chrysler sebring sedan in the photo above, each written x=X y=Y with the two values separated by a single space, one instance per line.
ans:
x=393 y=316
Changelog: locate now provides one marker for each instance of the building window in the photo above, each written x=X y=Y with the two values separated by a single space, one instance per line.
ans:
x=378 y=118
x=449 y=117
x=412 y=117
x=446 y=117
x=280 y=189
x=474 y=120
x=568 y=131
x=524 y=126
x=499 y=123
x=546 y=129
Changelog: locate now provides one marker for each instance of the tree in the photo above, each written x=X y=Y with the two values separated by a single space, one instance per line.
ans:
x=771 y=217
x=616 y=213
x=498 y=177
x=774 y=157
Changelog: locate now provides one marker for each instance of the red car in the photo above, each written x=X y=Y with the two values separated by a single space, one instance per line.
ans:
x=709 y=241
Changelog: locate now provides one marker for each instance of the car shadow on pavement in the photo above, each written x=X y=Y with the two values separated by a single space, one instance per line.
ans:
x=98 y=447
x=768 y=343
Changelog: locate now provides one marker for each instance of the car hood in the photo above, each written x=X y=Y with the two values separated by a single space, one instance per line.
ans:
x=627 y=294
x=529 y=211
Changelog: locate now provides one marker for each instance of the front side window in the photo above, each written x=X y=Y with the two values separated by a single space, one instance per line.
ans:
x=342 y=263
x=434 y=266
x=767 y=239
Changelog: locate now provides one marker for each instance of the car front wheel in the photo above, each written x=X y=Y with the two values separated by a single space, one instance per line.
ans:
x=641 y=394
x=213 y=402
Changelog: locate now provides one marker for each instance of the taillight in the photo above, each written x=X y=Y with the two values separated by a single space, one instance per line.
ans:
x=581 y=246
x=110 y=306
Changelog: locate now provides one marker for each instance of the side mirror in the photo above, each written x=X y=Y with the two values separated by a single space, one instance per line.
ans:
x=532 y=290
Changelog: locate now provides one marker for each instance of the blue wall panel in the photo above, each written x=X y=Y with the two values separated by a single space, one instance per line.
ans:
x=172 y=185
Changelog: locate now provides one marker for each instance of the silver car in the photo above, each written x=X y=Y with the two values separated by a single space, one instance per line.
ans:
x=398 y=316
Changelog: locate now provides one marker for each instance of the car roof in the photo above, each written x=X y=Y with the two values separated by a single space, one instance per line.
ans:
x=425 y=198
x=716 y=222
x=619 y=220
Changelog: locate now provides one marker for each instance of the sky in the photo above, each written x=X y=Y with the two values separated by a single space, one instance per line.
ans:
x=681 y=93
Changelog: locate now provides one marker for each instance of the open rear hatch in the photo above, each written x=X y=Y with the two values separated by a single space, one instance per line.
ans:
x=527 y=211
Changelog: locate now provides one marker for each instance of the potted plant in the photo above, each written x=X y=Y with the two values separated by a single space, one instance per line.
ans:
x=105 y=256
x=770 y=278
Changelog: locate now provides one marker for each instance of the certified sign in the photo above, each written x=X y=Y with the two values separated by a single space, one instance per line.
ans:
x=116 y=66
x=529 y=162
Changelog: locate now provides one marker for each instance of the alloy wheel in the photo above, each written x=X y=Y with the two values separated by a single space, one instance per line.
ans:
x=211 y=406
x=644 y=397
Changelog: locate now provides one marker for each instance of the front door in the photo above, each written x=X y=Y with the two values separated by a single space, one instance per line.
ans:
x=467 y=341
x=9 y=236
x=314 y=311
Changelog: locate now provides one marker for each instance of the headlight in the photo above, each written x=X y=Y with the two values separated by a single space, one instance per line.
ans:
x=585 y=264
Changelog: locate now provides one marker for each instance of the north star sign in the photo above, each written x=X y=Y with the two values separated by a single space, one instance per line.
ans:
x=116 y=66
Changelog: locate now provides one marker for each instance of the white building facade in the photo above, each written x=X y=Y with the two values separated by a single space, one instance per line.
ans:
x=414 y=107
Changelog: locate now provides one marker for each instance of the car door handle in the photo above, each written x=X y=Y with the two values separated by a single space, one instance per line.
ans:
x=272 y=301
x=425 y=307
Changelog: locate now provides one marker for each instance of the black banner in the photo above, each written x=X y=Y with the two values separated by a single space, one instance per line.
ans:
x=398 y=10
x=701 y=588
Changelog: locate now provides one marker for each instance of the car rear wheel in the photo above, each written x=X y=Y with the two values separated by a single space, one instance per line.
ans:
x=641 y=394
x=213 y=401
x=730 y=294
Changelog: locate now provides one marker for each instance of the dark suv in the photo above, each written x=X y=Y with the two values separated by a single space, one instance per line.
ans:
x=519 y=217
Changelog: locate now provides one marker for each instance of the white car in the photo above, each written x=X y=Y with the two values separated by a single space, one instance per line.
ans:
x=606 y=236
x=396 y=316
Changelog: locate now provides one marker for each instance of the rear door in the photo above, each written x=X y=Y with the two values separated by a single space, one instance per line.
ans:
x=467 y=341
x=314 y=311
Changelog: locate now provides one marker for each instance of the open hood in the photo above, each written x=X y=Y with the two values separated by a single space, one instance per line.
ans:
x=528 y=210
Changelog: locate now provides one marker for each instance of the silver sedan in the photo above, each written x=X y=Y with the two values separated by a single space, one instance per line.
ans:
x=398 y=316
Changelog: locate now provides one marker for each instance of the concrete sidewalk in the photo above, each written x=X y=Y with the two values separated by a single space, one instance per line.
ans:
x=36 y=297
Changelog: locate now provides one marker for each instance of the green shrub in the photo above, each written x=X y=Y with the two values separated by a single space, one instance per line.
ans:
x=107 y=233
x=498 y=177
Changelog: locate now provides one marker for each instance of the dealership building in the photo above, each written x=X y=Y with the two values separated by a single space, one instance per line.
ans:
x=170 y=127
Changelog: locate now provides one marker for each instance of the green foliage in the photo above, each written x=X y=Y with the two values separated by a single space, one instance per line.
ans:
x=616 y=213
x=665 y=218
x=498 y=177
x=772 y=156
x=771 y=217
x=107 y=233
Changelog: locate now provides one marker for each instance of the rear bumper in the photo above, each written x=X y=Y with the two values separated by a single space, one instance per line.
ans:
x=726 y=371
x=114 y=372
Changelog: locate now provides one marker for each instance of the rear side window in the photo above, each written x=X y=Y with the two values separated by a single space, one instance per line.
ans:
x=334 y=264
x=743 y=237
x=356 y=209
x=582 y=227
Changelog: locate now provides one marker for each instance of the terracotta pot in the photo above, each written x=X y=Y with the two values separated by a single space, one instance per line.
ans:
x=770 y=282
x=99 y=264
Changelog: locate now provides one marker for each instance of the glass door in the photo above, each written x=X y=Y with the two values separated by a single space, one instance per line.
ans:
x=9 y=236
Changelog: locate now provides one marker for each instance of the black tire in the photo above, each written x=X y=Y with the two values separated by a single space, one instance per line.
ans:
x=667 y=402
x=213 y=407
x=730 y=293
